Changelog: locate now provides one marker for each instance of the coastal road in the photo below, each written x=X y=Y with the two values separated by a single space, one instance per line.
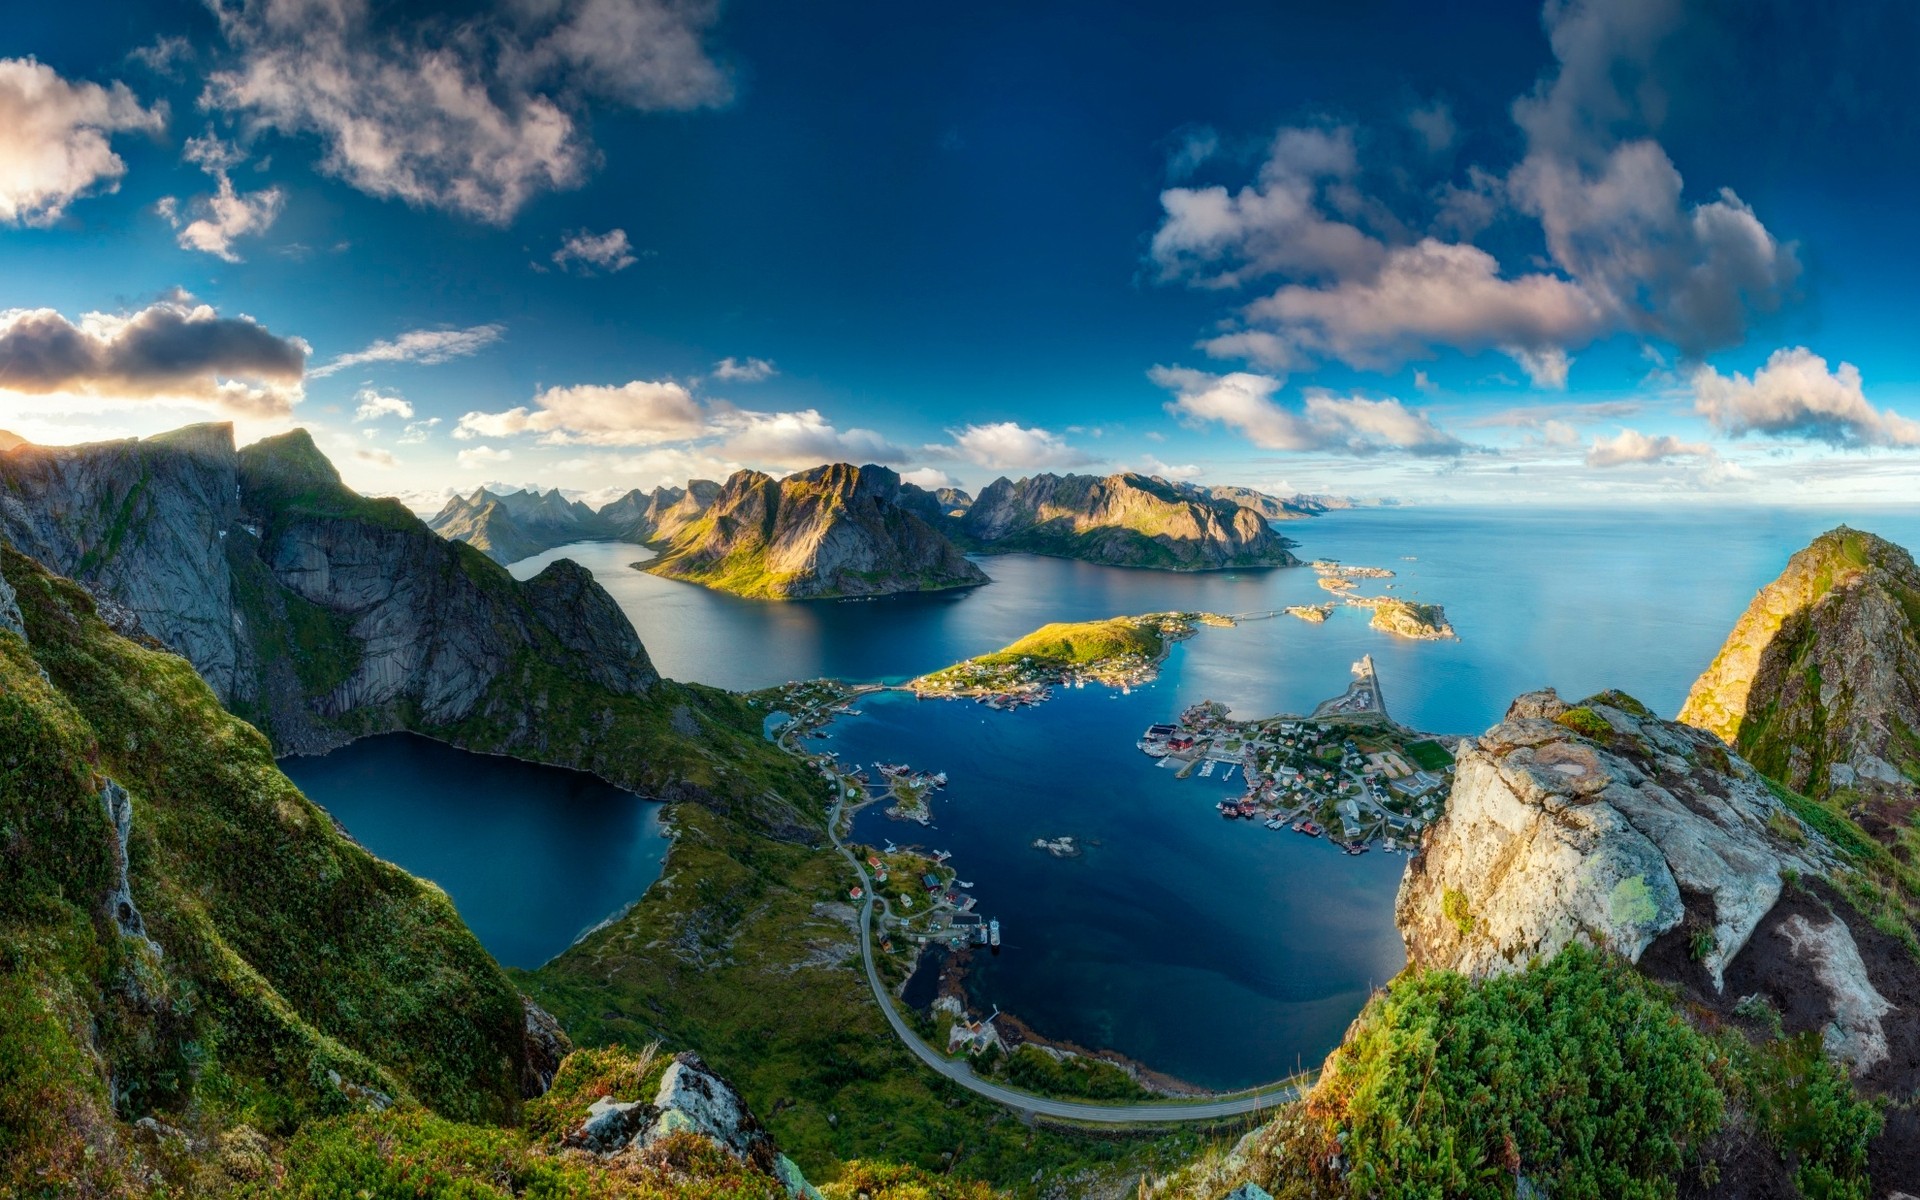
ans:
x=1149 y=1113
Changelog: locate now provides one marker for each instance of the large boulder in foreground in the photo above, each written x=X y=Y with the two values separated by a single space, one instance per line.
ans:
x=1818 y=685
x=1602 y=824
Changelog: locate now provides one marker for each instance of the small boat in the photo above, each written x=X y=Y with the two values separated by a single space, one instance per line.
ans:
x=993 y=932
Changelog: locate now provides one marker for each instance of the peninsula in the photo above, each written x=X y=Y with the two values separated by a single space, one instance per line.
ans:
x=1119 y=652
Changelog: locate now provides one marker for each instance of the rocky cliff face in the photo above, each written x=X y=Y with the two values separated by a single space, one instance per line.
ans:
x=1819 y=683
x=515 y=525
x=659 y=515
x=316 y=612
x=1122 y=520
x=1597 y=823
x=1601 y=824
x=1273 y=508
x=837 y=530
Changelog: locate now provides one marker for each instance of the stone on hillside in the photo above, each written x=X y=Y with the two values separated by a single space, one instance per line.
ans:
x=1599 y=825
x=692 y=1099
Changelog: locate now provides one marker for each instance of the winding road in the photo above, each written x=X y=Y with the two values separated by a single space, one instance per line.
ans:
x=1149 y=1113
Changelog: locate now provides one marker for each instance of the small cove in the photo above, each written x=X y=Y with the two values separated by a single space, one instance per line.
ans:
x=532 y=855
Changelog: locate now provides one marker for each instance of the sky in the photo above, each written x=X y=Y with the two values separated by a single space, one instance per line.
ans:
x=1592 y=253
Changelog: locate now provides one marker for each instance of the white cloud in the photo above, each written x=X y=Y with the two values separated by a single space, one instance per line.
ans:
x=640 y=413
x=172 y=350
x=482 y=457
x=1244 y=401
x=227 y=214
x=590 y=252
x=930 y=478
x=1153 y=466
x=56 y=139
x=383 y=459
x=375 y=404
x=799 y=439
x=1010 y=446
x=476 y=116
x=417 y=431
x=1795 y=395
x=664 y=466
x=1359 y=283
x=751 y=370
x=1631 y=446
x=427 y=347
x=1433 y=124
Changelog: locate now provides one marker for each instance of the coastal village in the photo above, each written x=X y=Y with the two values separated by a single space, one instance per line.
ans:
x=1346 y=771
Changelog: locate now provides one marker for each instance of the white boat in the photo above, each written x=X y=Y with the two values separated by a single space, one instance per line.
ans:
x=993 y=932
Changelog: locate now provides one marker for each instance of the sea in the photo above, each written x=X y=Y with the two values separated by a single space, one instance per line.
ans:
x=1217 y=952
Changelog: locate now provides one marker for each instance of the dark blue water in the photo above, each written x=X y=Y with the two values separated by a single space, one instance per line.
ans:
x=531 y=855
x=1220 y=952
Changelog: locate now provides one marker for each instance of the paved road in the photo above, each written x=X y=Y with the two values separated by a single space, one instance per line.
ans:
x=1151 y=1113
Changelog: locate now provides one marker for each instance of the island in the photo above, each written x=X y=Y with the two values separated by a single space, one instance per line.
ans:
x=1122 y=652
x=1407 y=619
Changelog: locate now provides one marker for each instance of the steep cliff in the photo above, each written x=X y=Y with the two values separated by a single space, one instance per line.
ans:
x=510 y=526
x=659 y=515
x=1819 y=682
x=837 y=530
x=321 y=615
x=1273 y=508
x=188 y=942
x=1122 y=520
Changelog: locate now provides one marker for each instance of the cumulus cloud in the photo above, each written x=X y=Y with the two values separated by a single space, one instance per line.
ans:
x=1325 y=422
x=930 y=478
x=417 y=431
x=375 y=404
x=56 y=139
x=476 y=116
x=751 y=370
x=227 y=214
x=591 y=252
x=482 y=457
x=427 y=347
x=172 y=350
x=374 y=456
x=1631 y=446
x=799 y=439
x=1351 y=280
x=1795 y=395
x=1009 y=446
x=640 y=413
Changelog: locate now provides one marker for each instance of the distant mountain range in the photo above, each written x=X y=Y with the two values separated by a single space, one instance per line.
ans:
x=831 y=534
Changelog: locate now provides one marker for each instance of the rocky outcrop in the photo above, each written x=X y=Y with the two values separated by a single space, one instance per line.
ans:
x=546 y=1047
x=938 y=506
x=1602 y=824
x=1819 y=683
x=832 y=531
x=313 y=611
x=659 y=515
x=1404 y=618
x=143 y=522
x=1273 y=508
x=1122 y=520
x=510 y=526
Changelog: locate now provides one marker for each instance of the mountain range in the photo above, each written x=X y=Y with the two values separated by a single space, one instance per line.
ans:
x=1646 y=958
x=834 y=536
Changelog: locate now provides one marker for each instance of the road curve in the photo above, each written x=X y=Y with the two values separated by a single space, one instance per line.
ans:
x=1149 y=1113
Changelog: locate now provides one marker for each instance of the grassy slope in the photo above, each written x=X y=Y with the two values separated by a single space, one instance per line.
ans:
x=288 y=952
x=1076 y=643
x=720 y=957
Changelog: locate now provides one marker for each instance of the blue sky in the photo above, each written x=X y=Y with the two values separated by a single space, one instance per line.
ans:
x=1470 y=252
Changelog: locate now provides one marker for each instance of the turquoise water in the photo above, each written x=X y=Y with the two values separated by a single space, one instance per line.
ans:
x=532 y=856
x=1216 y=951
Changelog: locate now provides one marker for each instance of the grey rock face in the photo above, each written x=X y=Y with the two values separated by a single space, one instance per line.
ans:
x=1553 y=836
x=1122 y=520
x=693 y=1099
x=142 y=522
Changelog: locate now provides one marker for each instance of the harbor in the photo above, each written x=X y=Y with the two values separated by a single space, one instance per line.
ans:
x=1346 y=771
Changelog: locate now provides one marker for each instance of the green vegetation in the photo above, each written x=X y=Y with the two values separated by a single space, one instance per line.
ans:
x=1578 y=1075
x=1080 y=643
x=733 y=954
x=289 y=476
x=1453 y=904
x=1586 y=722
x=1804 y=1107
x=295 y=972
x=1428 y=755
x=1075 y=1078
